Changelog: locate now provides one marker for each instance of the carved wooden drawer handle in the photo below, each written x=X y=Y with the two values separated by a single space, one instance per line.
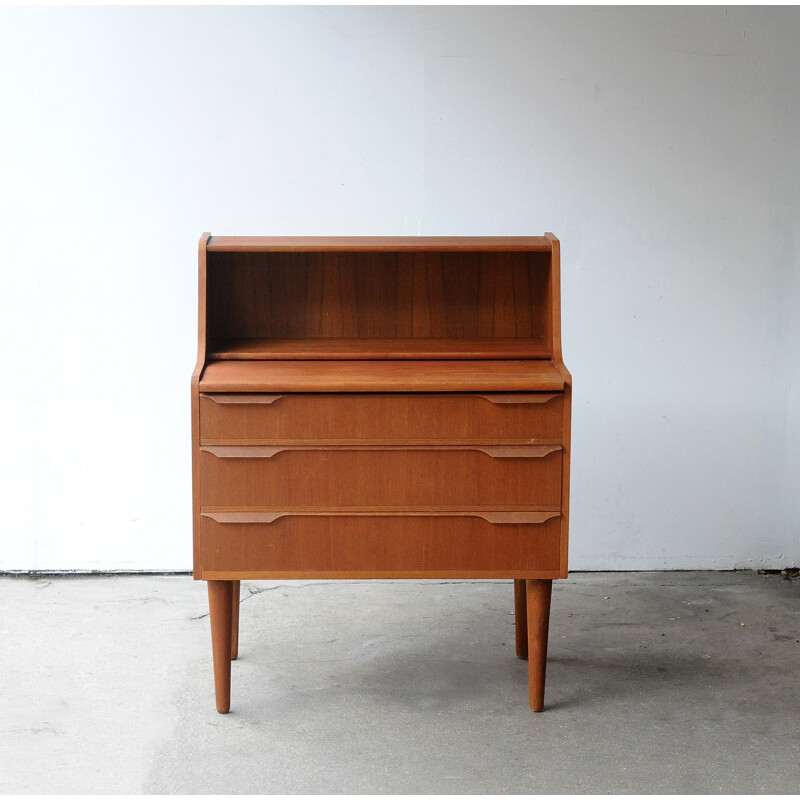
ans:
x=519 y=451
x=268 y=451
x=494 y=517
x=243 y=399
x=519 y=398
x=498 y=398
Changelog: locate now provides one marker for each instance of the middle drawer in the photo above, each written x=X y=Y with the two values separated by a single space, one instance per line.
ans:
x=457 y=477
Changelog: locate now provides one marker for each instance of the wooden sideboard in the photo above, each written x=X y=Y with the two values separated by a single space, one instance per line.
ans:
x=380 y=408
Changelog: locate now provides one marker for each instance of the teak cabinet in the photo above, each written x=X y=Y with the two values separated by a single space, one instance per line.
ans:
x=380 y=408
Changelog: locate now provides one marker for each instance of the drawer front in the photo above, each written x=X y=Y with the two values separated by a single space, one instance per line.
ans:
x=525 y=477
x=486 y=418
x=380 y=546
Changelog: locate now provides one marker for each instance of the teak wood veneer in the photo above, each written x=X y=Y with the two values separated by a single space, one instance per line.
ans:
x=380 y=407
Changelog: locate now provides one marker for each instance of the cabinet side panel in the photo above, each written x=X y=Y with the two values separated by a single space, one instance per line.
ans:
x=554 y=321
x=197 y=551
x=555 y=324
x=565 y=461
x=195 y=403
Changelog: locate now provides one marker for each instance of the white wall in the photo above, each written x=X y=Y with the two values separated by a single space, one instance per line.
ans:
x=659 y=144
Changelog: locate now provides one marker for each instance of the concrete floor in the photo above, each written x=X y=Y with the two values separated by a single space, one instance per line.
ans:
x=657 y=683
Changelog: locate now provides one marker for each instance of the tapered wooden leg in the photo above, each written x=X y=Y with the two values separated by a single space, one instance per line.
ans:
x=521 y=618
x=236 y=591
x=538 y=596
x=220 y=605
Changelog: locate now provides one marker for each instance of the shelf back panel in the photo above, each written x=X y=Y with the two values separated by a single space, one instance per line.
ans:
x=296 y=295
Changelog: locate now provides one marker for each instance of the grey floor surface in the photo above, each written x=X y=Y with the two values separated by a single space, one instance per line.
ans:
x=657 y=683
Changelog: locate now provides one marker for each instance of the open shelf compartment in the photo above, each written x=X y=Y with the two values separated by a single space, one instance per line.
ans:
x=374 y=305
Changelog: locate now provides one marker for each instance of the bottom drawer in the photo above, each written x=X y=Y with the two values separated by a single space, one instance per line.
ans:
x=370 y=546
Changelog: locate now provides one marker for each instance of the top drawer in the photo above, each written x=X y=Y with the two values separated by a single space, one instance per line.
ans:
x=517 y=417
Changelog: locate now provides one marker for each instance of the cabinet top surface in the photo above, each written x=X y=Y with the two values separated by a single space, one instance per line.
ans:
x=265 y=244
x=382 y=376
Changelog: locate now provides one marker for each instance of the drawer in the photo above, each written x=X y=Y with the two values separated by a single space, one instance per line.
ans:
x=367 y=476
x=394 y=545
x=442 y=417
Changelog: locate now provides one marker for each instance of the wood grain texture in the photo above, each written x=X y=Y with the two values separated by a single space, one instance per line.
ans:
x=220 y=604
x=519 y=398
x=503 y=398
x=566 y=439
x=493 y=451
x=381 y=407
x=366 y=349
x=503 y=516
x=195 y=404
x=538 y=620
x=380 y=376
x=394 y=545
x=442 y=478
x=529 y=418
x=377 y=574
x=554 y=291
x=364 y=297
x=553 y=321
